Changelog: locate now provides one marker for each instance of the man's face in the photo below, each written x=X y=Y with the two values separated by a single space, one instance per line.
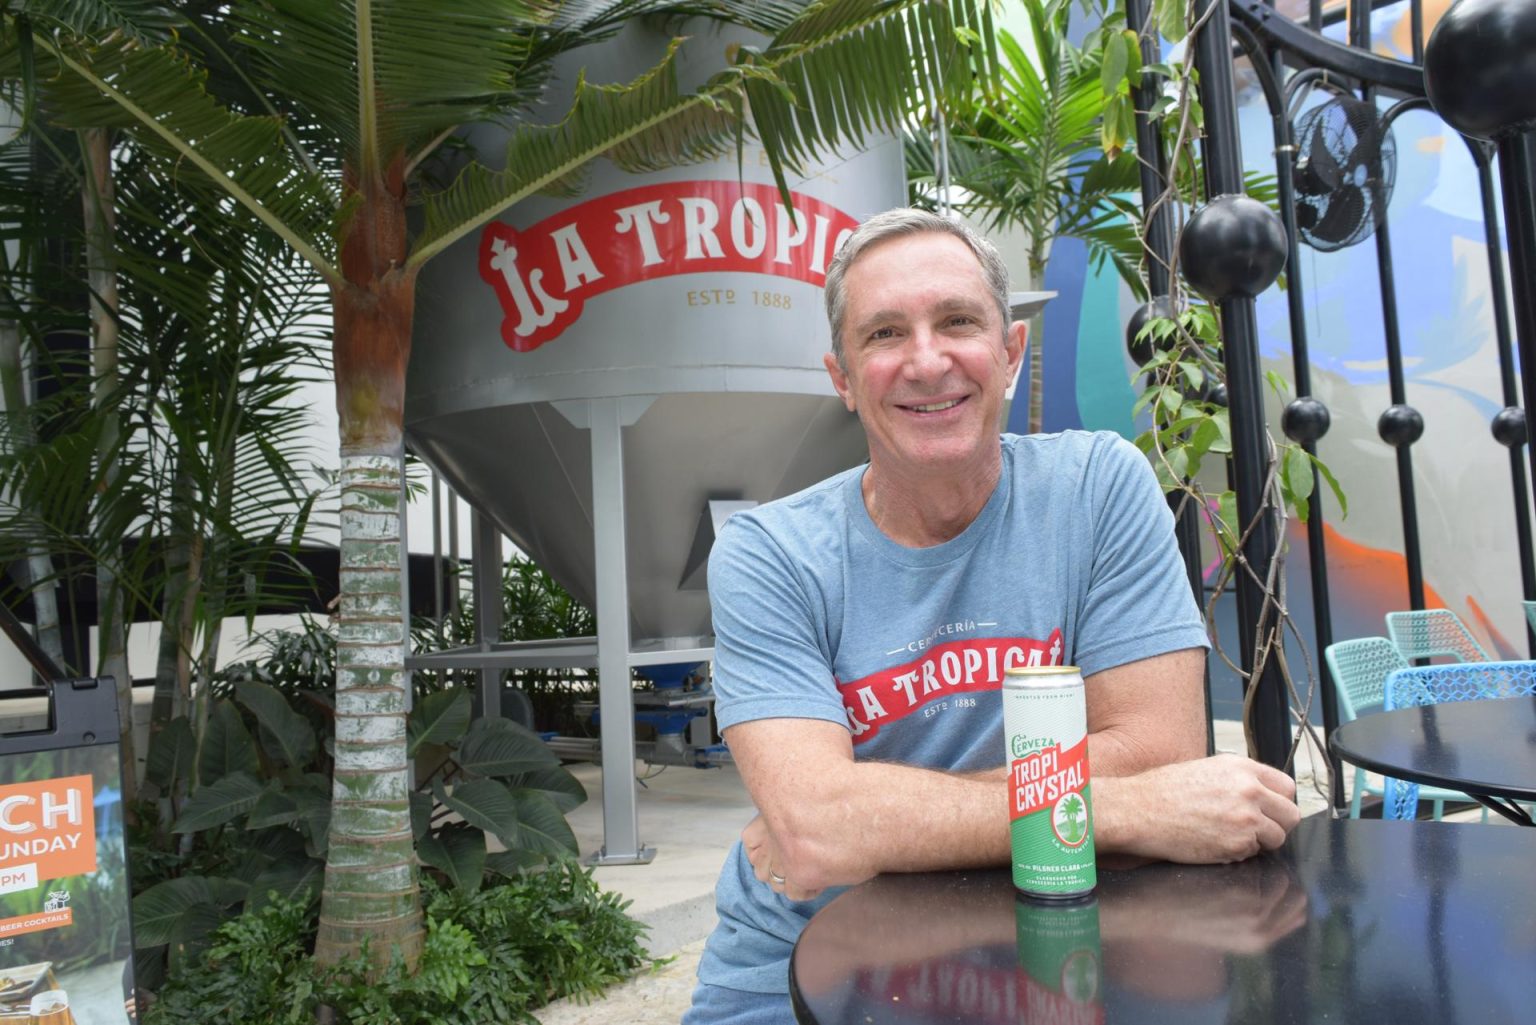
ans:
x=927 y=360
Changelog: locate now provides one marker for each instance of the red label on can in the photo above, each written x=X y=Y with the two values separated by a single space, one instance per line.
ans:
x=1041 y=778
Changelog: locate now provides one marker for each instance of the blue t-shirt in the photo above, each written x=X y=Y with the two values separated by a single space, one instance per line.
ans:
x=819 y=615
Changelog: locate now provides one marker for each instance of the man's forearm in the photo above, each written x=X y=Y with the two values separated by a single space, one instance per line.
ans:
x=896 y=818
x=893 y=818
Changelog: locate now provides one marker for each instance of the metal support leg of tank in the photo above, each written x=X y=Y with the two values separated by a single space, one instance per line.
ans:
x=485 y=546
x=621 y=827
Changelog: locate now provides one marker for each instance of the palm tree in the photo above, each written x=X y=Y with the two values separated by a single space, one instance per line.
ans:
x=377 y=87
x=1028 y=156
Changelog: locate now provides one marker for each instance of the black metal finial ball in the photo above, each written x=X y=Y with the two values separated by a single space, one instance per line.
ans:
x=1233 y=246
x=1509 y=426
x=1305 y=420
x=1478 y=69
x=1217 y=394
x=1400 y=425
x=1142 y=349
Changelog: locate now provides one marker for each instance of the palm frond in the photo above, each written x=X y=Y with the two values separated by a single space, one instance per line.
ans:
x=433 y=64
x=844 y=69
x=155 y=93
x=146 y=21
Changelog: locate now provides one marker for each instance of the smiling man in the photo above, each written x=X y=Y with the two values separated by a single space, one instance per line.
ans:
x=863 y=625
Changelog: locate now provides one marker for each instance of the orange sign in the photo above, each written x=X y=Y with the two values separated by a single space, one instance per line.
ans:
x=36 y=922
x=47 y=831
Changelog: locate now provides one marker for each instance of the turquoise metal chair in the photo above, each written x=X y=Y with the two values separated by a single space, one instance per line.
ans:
x=1530 y=613
x=1433 y=632
x=1360 y=669
x=1416 y=686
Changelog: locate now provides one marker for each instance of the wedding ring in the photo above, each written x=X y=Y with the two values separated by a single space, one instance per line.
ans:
x=776 y=877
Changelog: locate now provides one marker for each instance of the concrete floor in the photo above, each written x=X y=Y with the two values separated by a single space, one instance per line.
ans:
x=692 y=817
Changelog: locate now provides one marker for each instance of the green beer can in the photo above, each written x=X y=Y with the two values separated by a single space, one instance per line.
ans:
x=1050 y=804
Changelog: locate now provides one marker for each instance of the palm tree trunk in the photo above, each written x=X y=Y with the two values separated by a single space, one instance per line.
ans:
x=371 y=890
x=100 y=229
x=183 y=571
x=1036 y=345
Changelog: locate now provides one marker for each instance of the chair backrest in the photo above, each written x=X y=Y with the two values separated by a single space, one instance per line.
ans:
x=1433 y=632
x=1433 y=685
x=1360 y=669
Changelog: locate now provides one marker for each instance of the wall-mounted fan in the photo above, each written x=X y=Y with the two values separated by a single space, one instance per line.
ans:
x=1346 y=162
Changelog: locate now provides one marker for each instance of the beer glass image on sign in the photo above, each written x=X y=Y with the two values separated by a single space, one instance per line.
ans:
x=64 y=936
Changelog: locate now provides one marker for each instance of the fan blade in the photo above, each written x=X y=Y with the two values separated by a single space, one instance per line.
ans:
x=1344 y=216
x=1322 y=163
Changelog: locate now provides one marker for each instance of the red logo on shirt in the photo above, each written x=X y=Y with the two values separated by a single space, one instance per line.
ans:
x=958 y=667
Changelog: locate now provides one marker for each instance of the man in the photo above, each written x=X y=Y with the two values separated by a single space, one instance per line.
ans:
x=862 y=626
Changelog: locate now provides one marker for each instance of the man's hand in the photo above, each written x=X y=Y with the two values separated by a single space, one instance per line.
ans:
x=1211 y=810
x=760 y=852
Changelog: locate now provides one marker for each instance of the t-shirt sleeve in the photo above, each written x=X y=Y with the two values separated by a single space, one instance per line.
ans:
x=1137 y=602
x=769 y=657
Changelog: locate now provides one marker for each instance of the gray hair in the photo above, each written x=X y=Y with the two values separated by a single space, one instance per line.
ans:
x=895 y=224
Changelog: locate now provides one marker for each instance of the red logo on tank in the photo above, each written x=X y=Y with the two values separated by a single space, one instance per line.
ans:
x=543 y=274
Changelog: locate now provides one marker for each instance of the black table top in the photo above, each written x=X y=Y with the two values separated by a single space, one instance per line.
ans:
x=1478 y=747
x=1353 y=922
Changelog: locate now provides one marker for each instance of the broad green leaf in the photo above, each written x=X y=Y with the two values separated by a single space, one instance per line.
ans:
x=544 y=829
x=458 y=851
x=1193 y=374
x=512 y=863
x=1170 y=400
x=191 y=934
x=272 y=808
x=1226 y=511
x=1223 y=423
x=172 y=750
x=488 y=804
x=1132 y=57
x=421 y=813
x=1297 y=469
x=314 y=817
x=217 y=803
x=296 y=879
x=287 y=736
x=1178 y=461
x=227 y=746
x=1338 y=492
x=1112 y=72
x=1204 y=436
x=439 y=718
x=554 y=782
x=501 y=747
x=157 y=909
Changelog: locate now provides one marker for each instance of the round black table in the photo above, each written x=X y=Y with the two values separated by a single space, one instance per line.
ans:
x=1353 y=922
x=1486 y=749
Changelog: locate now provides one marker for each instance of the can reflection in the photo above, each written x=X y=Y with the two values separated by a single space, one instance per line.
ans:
x=1059 y=962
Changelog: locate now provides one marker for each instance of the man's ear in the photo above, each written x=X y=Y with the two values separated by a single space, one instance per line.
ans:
x=1016 y=344
x=839 y=380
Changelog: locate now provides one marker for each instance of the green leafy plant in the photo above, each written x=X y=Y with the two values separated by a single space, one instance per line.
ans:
x=245 y=815
x=491 y=956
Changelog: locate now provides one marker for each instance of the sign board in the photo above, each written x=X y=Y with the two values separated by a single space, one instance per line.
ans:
x=65 y=941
